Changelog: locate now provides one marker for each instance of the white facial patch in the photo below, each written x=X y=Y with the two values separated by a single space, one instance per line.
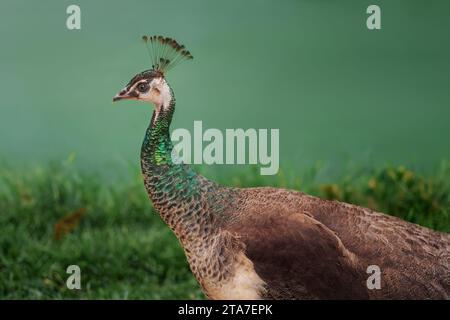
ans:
x=162 y=93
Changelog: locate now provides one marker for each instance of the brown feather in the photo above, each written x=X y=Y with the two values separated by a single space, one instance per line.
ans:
x=299 y=242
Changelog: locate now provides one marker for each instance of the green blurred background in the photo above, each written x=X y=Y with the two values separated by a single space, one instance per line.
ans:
x=336 y=90
x=372 y=107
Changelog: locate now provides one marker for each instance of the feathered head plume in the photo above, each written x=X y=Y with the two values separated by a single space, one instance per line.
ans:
x=165 y=53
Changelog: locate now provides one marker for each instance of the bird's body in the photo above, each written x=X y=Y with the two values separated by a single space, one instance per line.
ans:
x=275 y=243
x=260 y=243
x=306 y=247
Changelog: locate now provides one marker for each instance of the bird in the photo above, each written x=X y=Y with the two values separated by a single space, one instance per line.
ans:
x=270 y=243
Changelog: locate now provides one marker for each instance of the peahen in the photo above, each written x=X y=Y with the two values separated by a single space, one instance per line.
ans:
x=268 y=243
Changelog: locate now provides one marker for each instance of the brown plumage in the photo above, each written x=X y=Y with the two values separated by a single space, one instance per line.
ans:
x=305 y=247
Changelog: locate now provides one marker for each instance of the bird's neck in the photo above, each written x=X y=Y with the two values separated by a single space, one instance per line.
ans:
x=157 y=146
x=184 y=199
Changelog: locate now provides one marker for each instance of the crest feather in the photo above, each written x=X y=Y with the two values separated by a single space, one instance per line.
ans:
x=165 y=53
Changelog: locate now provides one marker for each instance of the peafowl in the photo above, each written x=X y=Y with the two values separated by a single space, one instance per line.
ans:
x=268 y=243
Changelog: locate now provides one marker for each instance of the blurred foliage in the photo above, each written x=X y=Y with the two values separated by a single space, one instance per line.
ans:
x=400 y=192
x=124 y=249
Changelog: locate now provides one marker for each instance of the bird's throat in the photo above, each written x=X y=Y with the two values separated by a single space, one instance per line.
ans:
x=157 y=147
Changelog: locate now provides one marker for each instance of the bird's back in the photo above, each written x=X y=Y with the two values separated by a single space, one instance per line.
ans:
x=333 y=243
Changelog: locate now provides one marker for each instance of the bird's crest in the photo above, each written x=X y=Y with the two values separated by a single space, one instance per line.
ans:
x=165 y=53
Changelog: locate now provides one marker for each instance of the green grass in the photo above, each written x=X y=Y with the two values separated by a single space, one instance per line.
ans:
x=123 y=248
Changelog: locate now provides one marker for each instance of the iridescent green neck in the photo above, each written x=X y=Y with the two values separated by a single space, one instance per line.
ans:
x=162 y=175
x=157 y=146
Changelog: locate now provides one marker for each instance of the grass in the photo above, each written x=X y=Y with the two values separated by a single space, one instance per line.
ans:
x=52 y=217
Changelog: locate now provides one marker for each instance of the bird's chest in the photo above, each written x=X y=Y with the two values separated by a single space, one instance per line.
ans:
x=225 y=275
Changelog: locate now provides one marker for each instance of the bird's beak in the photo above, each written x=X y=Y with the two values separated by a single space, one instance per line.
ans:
x=117 y=97
x=122 y=95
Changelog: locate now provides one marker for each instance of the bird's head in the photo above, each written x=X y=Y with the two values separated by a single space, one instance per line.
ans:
x=151 y=85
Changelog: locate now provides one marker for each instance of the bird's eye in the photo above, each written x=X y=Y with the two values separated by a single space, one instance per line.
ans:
x=142 y=87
